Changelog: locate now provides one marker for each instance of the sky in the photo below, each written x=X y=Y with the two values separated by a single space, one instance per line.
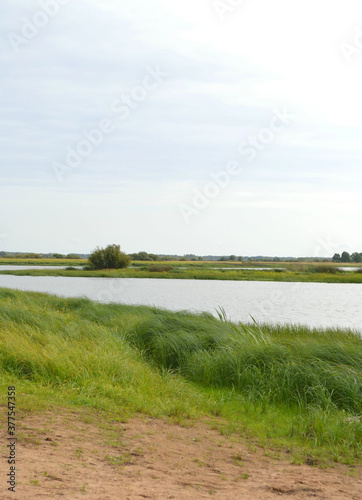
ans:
x=175 y=127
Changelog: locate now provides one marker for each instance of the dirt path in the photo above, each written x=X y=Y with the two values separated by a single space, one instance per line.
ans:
x=69 y=455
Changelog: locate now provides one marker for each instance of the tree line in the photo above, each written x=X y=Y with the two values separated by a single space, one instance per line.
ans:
x=346 y=257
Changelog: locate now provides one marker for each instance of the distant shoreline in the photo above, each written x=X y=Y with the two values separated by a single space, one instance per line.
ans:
x=207 y=270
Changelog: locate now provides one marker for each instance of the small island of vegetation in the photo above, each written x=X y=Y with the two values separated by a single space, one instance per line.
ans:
x=111 y=262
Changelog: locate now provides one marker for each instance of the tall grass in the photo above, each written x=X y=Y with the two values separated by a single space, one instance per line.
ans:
x=322 y=268
x=315 y=274
x=289 y=365
x=74 y=351
x=291 y=385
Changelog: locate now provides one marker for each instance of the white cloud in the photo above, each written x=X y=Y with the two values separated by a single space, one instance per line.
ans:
x=225 y=80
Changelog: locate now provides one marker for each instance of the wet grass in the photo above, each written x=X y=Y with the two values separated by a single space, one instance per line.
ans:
x=280 y=386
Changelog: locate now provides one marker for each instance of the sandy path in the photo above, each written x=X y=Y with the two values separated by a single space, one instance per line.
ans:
x=69 y=455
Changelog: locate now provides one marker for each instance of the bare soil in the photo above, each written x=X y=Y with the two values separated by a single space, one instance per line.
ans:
x=76 y=455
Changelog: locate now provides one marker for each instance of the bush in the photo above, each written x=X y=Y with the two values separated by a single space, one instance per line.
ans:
x=110 y=257
x=73 y=256
x=322 y=269
x=159 y=268
x=141 y=256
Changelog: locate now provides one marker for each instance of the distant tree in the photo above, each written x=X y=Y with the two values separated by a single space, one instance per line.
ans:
x=200 y=258
x=29 y=256
x=110 y=257
x=240 y=259
x=167 y=257
x=232 y=257
x=223 y=259
x=140 y=256
x=153 y=256
x=73 y=256
x=58 y=256
x=345 y=257
x=356 y=257
x=276 y=259
x=336 y=258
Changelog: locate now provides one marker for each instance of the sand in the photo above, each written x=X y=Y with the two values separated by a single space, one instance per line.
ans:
x=74 y=455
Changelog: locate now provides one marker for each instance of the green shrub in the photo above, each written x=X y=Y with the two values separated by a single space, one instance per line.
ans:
x=159 y=268
x=73 y=256
x=110 y=257
x=323 y=268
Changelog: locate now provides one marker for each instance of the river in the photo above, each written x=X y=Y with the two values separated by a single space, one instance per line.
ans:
x=313 y=304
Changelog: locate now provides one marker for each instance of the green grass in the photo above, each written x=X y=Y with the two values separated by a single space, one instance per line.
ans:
x=18 y=261
x=293 y=366
x=290 y=272
x=288 y=276
x=282 y=387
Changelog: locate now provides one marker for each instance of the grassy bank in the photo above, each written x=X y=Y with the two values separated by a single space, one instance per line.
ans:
x=41 y=262
x=208 y=271
x=282 y=387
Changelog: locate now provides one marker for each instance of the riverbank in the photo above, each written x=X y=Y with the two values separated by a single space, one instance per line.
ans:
x=281 y=272
x=278 y=387
x=156 y=458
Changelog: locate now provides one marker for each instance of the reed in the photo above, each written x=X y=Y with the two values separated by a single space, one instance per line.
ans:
x=290 y=365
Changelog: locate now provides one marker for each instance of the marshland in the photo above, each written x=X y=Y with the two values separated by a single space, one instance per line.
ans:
x=209 y=270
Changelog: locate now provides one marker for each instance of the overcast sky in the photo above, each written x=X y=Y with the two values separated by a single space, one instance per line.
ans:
x=193 y=126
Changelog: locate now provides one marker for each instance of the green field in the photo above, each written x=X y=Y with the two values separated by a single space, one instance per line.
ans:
x=281 y=271
x=17 y=261
x=280 y=387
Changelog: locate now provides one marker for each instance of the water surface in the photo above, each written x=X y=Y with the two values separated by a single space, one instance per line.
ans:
x=313 y=304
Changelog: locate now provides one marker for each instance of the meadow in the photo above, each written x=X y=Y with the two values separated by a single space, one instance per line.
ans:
x=236 y=271
x=18 y=261
x=280 y=387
